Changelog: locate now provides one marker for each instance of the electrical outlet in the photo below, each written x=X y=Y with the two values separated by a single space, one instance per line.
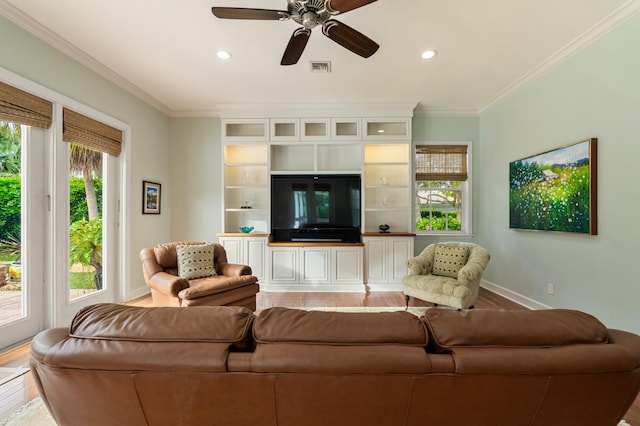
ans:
x=551 y=288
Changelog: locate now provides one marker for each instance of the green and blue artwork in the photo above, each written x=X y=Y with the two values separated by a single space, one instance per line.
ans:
x=555 y=190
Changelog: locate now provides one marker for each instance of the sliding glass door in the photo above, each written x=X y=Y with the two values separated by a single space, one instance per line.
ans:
x=60 y=230
x=22 y=231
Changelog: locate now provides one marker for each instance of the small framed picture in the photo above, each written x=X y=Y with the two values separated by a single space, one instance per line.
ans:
x=150 y=197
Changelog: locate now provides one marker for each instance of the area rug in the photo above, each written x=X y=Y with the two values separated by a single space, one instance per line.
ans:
x=33 y=413
x=7 y=374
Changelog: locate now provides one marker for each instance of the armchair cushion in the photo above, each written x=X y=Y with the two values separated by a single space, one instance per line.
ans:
x=195 y=261
x=448 y=260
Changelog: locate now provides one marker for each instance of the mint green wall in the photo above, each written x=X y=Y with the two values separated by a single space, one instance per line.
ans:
x=196 y=169
x=594 y=93
x=31 y=58
x=450 y=129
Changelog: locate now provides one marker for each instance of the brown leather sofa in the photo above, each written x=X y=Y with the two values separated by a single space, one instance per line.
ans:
x=234 y=284
x=124 y=365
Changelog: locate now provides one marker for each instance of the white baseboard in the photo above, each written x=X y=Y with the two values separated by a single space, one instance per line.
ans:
x=384 y=287
x=513 y=296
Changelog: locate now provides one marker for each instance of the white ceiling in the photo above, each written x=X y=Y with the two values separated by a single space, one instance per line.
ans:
x=164 y=50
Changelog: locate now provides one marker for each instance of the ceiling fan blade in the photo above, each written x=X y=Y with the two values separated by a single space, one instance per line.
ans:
x=342 y=6
x=349 y=38
x=297 y=43
x=243 y=13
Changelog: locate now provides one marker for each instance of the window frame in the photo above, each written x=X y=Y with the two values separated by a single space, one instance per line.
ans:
x=467 y=194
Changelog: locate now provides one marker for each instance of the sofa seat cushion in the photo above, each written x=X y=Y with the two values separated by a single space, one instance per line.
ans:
x=284 y=325
x=218 y=324
x=449 y=329
x=343 y=343
x=339 y=359
x=445 y=286
x=208 y=286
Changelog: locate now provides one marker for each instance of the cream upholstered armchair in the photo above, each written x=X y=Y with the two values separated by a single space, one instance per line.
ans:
x=446 y=273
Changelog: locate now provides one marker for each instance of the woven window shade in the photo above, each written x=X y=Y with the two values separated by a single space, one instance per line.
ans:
x=89 y=133
x=18 y=106
x=441 y=162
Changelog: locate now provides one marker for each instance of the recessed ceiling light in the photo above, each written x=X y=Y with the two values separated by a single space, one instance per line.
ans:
x=223 y=54
x=428 y=54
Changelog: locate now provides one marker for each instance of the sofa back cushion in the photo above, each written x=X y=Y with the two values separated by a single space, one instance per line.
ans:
x=339 y=343
x=520 y=328
x=214 y=324
x=283 y=325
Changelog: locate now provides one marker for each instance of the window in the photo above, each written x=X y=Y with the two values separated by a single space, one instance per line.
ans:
x=442 y=188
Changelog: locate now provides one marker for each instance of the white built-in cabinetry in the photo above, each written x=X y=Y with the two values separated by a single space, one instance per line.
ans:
x=247 y=250
x=315 y=267
x=379 y=149
x=386 y=259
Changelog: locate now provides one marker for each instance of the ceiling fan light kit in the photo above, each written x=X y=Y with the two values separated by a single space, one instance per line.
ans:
x=310 y=14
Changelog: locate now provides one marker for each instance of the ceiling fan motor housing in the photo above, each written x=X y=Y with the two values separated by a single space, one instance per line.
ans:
x=308 y=13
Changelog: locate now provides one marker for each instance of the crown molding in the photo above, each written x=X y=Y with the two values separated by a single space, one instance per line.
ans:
x=284 y=110
x=607 y=24
x=11 y=13
x=445 y=112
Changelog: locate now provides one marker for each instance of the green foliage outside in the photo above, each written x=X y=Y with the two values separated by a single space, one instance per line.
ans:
x=10 y=135
x=438 y=222
x=82 y=281
x=85 y=239
x=10 y=203
x=85 y=235
x=9 y=207
x=78 y=198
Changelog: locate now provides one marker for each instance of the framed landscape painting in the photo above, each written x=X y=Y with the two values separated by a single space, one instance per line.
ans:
x=150 y=197
x=556 y=190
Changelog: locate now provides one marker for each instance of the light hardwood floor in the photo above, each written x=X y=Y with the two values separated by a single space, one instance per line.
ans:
x=19 y=391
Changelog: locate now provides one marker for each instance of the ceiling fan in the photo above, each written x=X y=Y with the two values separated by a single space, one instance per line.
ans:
x=309 y=14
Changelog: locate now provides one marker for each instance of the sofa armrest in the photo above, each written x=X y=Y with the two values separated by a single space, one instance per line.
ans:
x=167 y=283
x=418 y=266
x=472 y=271
x=234 y=270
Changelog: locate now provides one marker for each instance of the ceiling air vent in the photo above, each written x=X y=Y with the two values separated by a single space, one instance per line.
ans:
x=320 y=66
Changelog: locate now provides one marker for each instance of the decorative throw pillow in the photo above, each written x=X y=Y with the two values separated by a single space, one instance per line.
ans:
x=449 y=259
x=195 y=261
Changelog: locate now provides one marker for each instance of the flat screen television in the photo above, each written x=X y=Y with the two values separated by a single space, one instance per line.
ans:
x=315 y=207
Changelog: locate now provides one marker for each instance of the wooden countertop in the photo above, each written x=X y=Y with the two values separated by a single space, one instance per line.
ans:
x=313 y=244
x=388 y=234
x=243 y=234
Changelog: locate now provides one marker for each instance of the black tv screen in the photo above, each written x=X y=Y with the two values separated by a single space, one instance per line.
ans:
x=315 y=207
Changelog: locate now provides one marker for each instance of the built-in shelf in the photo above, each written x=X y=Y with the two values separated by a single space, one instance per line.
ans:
x=387 y=189
x=246 y=184
x=376 y=148
x=387 y=129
